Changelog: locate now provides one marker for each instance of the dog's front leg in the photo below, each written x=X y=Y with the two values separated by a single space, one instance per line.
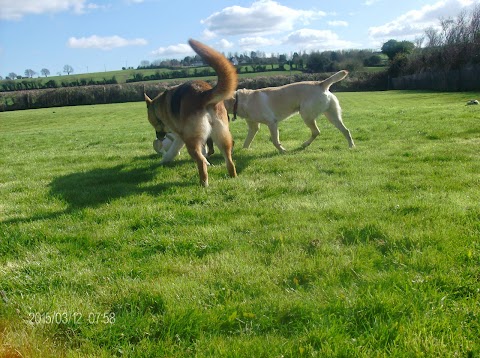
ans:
x=276 y=137
x=252 y=131
x=173 y=150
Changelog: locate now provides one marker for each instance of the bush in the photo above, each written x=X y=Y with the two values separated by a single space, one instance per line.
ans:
x=398 y=65
x=51 y=84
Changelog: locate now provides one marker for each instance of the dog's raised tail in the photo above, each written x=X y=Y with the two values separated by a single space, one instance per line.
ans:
x=340 y=75
x=226 y=72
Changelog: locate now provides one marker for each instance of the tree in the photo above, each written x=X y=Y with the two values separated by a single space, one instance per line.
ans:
x=12 y=75
x=317 y=62
x=398 y=65
x=297 y=60
x=187 y=61
x=67 y=69
x=391 y=48
x=373 y=61
x=45 y=72
x=30 y=73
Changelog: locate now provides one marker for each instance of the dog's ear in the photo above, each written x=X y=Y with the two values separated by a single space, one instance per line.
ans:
x=147 y=99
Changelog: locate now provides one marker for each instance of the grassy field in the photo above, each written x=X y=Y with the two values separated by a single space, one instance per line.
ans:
x=322 y=252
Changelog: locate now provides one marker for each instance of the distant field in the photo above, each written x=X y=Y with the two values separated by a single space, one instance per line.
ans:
x=123 y=75
x=322 y=252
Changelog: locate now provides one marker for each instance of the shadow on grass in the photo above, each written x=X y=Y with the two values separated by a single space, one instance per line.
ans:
x=102 y=185
x=242 y=157
x=99 y=186
x=95 y=187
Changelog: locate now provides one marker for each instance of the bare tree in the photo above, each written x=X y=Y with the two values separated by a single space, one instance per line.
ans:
x=45 y=72
x=30 y=73
x=418 y=41
x=433 y=37
x=67 y=69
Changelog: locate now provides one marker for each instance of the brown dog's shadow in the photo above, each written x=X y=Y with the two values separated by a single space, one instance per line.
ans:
x=103 y=185
x=99 y=186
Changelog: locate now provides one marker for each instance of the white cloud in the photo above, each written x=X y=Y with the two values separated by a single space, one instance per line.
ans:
x=103 y=43
x=262 y=17
x=414 y=22
x=371 y=2
x=225 y=44
x=208 y=35
x=338 y=23
x=173 y=51
x=16 y=10
x=321 y=40
x=255 y=43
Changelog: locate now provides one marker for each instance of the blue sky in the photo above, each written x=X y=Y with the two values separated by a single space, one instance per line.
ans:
x=96 y=35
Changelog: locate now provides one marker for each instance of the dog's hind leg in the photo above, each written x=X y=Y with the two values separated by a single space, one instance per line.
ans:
x=223 y=139
x=195 y=150
x=334 y=115
x=312 y=124
x=275 y=136
x=252 y=131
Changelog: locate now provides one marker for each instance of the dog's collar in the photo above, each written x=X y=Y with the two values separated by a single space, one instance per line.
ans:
x=235 y=107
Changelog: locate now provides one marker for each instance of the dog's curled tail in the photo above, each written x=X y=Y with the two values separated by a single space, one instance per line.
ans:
x=340 y=75
x=226 y=72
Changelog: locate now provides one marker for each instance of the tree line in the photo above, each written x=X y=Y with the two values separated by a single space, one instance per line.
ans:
x=451 y=46
x=29 y=73
x=31 y=84
x=258 y=61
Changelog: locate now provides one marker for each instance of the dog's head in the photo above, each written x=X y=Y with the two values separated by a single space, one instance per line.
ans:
x=153 y=118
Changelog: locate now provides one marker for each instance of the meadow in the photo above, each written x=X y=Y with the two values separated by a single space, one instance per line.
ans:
x=321 y=252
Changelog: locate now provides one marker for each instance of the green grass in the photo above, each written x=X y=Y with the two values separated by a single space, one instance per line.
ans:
x=328 y=252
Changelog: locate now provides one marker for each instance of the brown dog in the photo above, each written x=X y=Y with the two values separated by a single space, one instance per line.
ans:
x=195 y=111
